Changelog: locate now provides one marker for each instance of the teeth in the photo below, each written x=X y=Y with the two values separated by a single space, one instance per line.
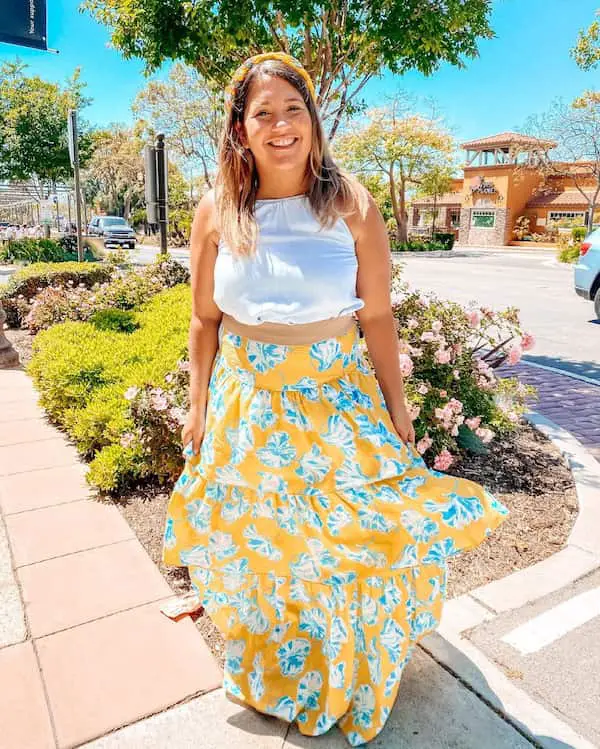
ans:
x=283 y=142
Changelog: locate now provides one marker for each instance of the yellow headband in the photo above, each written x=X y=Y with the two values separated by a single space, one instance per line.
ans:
x=246 y=66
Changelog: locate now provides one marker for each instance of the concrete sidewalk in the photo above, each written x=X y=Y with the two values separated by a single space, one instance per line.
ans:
x=90 y=660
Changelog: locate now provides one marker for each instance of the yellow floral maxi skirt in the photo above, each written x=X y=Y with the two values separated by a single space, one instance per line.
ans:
x=316 y=538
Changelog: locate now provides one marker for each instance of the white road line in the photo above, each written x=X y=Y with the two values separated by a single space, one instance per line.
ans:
x=555 y=623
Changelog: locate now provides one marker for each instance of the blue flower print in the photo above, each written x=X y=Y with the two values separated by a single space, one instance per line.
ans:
x=337 y=675
x=440 y=551
x=374 y=662
x=197 y=556
x=304 y=512
x=421 y=624
x=308 y=386
x=389 y=467
x=305 y=567
x=234 y=654
x=260 y=410
x=235 y=340
x=261 y=545
x=338 y=519
x=236 y=507
x=216 y=405
x=370 y=610
x=420 y=527
x=214 y=491
x=338 y=636
x=254 y=620
x=235 y=574
x=363 y=706
x=271 y=483
x=322 y=556
x=279 y=451
x=170 y=539
x=279 y=631
x=264 y=509
x=265 y=356
x=298 y=591
x=384 y=714
x=349 y=474
x=273 y=598
x=408 y=558
x=207 y=449
x=458 y=511
x=364 y=555
x=286 y=519
x=292 y=656
x=388 y=494
x=376 y=433
x=199 y=514
x=360 y=495
x=309 y=690
x=340 y=433
x=256 y=678
x=230 y=475
x=410 y=484
x=221 y=545
x=392 y=638
x=187 y=485
x=314 y=466
x=324 y=723
x=356 y=395
x=241 y=440
x=285 y=709
x=337 y=398
x=314 y=623
x=391 y=597
x=375 y=521
x=326 y=353
x=293 y=414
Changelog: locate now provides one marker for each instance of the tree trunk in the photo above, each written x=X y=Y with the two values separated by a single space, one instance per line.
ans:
x=433 y=219
x=399 y=207
x=126 y=205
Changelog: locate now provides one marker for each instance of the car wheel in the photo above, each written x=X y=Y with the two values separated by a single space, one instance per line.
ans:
x=597 y=304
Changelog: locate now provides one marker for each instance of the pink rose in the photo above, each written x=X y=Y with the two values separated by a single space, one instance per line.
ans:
x=424 y=444
x=422 y=389
x=427 y=336
x=443 y=394
x=474 y=318
x=443 y=460
x=455 y=405
x=443 y=356
x=413 y=412
x=159 y=400
x=527 y=342
x=484 y=434
x=514 y=355
x=473 y=423
x=436 y=326
x=406 y=365
x=411 y=323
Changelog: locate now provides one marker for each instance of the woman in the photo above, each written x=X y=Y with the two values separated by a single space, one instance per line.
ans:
x=312 y=529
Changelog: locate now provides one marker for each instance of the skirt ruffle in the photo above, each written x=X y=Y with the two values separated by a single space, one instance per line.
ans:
x=304 y=519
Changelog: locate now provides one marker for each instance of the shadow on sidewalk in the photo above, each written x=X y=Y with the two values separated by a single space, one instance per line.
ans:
x=583 y=368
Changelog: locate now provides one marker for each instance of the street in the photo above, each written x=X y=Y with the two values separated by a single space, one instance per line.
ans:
x=567 y=334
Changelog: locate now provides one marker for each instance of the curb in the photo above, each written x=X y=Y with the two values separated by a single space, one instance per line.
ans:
x=557 y=370
x=579 y=557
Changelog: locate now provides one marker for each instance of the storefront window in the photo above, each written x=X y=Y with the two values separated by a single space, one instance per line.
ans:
x=483 y=219
x=569 y=218
x=455 y=219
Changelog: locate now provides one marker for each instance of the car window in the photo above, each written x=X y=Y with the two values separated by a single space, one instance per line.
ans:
x=114 y=222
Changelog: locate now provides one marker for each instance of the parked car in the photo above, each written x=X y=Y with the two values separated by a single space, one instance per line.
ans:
x=114 y=230
x=587 y=270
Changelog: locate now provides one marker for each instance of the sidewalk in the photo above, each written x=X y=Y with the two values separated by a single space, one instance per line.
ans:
x=90 y=658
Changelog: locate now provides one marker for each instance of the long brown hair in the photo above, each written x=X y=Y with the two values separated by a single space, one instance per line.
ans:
x=332 y=193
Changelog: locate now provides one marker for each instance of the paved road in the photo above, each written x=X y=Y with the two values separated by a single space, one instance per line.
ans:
x=567 y=333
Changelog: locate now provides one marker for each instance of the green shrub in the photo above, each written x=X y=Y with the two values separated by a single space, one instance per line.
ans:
x=569 y=253
x=578 y=233
x=82 y=374
x=417 y=244
x=32 y=251
x=446 y=238
x=29 y=281
x=114 y=319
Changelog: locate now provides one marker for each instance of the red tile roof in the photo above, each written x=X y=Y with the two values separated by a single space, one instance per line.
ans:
x=508 y=139
x=567 y=198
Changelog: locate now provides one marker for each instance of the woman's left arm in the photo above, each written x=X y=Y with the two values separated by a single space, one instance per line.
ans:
x=376 y=318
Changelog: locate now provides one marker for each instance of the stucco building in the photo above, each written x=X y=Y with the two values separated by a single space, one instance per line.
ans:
x=501 y=182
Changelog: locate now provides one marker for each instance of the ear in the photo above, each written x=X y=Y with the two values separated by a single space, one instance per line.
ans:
x=241 y=132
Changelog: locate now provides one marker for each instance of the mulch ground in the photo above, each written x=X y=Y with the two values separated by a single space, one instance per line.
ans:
x=525 y=472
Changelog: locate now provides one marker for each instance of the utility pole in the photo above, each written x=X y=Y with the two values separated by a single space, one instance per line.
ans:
x=161 y=192
x=74 y=154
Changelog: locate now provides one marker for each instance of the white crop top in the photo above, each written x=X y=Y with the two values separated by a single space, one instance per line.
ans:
x=300 y=273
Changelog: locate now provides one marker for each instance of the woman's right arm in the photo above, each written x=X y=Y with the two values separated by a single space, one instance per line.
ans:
x=206 y=317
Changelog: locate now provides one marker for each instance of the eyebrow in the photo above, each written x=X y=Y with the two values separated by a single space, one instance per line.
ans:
x=262 y=102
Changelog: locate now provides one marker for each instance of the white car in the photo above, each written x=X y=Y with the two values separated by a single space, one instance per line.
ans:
x=587 y=270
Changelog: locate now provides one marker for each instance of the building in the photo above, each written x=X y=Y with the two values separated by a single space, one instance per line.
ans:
x=501 y=182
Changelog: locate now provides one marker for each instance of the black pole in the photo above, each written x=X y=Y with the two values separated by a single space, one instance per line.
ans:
x=161 y=175
x=75 y=156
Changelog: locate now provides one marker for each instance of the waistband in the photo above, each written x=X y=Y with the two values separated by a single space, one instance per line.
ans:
x=283 y=334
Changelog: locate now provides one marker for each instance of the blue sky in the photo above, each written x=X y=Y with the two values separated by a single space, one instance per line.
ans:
x=518 y=73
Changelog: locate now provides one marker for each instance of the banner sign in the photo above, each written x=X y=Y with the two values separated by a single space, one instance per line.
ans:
x=23 y=22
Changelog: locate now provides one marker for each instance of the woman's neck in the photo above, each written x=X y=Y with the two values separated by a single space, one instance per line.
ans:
x=273 y=188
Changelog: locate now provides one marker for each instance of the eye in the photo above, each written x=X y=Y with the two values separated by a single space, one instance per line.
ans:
x=262 y=111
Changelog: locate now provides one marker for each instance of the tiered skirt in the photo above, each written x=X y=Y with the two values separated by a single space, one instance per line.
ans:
x=316 y=538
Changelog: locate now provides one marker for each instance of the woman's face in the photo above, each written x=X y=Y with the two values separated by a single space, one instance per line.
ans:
x=277 y=125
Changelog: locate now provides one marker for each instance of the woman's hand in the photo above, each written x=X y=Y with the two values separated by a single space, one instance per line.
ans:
x=403 y=425
x=193 y=429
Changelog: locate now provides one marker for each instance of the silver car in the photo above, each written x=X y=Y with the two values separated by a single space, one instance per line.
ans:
x=587 y=270
x=114 y=230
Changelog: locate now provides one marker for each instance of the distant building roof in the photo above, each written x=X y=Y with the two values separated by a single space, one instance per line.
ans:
x=508 y=139
x=566 y=198
x=448 y=198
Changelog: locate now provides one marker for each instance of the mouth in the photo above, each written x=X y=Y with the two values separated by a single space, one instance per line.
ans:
x=282 y=144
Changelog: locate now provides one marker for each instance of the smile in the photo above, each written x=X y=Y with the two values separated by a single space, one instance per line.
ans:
x=283 y=142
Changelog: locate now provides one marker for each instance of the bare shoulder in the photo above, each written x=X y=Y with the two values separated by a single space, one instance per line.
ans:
x=205 y=225
x=365 y=218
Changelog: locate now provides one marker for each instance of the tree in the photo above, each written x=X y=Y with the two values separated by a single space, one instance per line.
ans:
x=575 y=130
x=586 y=51
x=402 y=147
x=189 y=111
x=434 y=184
x=342 y=43
x=33 y=128
x=116 y=170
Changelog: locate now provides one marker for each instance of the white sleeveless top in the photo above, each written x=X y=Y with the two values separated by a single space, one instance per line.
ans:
x=300 y=273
